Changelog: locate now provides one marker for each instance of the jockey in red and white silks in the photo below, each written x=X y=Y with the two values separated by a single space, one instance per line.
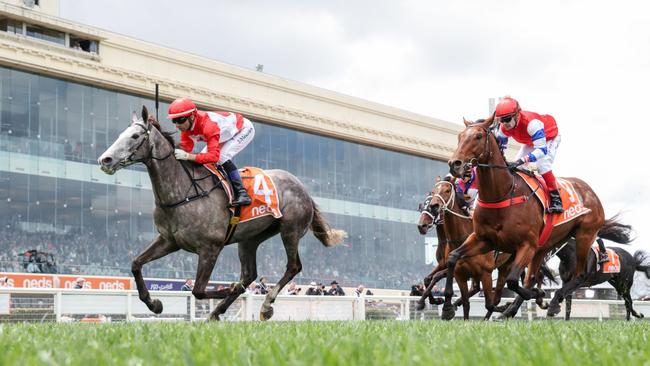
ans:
x=225 y=134
x=540 y=139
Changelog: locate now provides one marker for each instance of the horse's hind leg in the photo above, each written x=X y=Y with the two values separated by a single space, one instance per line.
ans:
x=472 y=291
x=290 y=240
x=625 y=294
x=247 y=259
x=158 y=248
x=462 y=286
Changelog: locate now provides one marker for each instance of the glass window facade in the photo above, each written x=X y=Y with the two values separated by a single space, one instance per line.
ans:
x=53 y=197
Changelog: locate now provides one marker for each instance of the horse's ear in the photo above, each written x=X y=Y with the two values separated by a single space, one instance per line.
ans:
x=145 y=114
x=467 y=122
x=134 y=118
x=488 y=122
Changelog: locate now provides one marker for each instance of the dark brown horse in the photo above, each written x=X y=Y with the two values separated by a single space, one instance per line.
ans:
x=515 y=228
x=621 y=281
x=442 y=208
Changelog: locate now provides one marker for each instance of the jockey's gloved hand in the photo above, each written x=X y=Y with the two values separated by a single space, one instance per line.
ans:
x=515 y=164
x=181 y=154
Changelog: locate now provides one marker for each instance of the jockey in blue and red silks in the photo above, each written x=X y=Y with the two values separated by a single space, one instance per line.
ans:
x=225 y=134
x=467 y=190
x=540 y=138
x=538 y=133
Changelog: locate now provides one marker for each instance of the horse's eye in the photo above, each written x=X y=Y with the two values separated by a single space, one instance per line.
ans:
x=135 y=136
x=479 y=136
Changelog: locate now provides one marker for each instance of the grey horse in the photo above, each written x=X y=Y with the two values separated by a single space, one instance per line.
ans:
x=192 y=215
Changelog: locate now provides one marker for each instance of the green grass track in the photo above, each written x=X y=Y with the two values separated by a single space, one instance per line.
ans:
x=329 y=343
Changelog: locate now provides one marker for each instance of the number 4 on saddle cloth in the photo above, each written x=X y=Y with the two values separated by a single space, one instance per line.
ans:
x=260 y=188
x=571 y=202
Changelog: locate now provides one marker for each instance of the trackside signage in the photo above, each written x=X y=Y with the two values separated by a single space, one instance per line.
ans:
x=31 y=280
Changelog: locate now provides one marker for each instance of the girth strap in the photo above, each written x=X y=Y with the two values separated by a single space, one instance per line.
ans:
x=503 y=204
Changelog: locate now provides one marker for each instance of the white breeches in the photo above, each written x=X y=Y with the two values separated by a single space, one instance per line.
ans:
x=545 y=163
x=237 y=143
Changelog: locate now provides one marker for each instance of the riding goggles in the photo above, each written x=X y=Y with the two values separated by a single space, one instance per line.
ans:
x=180 y=120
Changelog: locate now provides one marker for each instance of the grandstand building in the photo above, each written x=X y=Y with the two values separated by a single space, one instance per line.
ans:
x=67 y=90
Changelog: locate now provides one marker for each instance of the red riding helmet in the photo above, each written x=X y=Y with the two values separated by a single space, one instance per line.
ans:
x=507 y=106
x=181 y=107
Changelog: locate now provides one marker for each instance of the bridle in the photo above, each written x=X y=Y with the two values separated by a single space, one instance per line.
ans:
x=474 y=162
x=447 y=205
x=147 y=133
x=199 y=192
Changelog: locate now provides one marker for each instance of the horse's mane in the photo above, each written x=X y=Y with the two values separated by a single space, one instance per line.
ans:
x=168 y=135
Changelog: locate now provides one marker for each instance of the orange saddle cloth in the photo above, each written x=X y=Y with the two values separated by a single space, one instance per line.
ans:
x=614 y=263
x=260 y=188
x=571 y=202
x=263 y=193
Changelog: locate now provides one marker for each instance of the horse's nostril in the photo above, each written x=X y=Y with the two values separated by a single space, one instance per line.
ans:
x=107 y=160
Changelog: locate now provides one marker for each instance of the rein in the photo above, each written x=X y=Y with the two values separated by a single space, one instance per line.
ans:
x=509 y=198
x=199 y=192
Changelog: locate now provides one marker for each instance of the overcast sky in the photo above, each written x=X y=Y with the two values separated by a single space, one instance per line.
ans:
x=587 y=63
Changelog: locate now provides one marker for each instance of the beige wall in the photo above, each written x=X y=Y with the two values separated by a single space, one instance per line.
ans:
x=130 y=65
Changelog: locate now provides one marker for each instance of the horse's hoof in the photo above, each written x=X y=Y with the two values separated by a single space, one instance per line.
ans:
x=214 y=318
x=448 y=312
x=553 y=310
x=156 y=306
x=419 y=306
x=266 y=314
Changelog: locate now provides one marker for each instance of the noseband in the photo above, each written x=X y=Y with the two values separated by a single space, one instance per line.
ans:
x=447 y=205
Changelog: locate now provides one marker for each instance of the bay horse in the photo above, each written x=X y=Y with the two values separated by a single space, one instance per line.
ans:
x=191 y=214
x=621 y=281
x=514 y=219
x=442 y=209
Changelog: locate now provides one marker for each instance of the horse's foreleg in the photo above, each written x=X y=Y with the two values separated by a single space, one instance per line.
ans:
x=294 y=266
x=486 y=279
x=427 y=292
x=472 y=246
x=158 y=248
x=248 y=261
x=207 y=258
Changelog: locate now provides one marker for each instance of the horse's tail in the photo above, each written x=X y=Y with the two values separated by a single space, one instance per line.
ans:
x=615 y=231
x=548 y=274
x=641 y=257
x=322 y=231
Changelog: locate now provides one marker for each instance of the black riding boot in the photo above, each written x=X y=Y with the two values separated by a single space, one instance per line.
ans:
x=241 y=197
x=603 y=257
x=555 y=205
